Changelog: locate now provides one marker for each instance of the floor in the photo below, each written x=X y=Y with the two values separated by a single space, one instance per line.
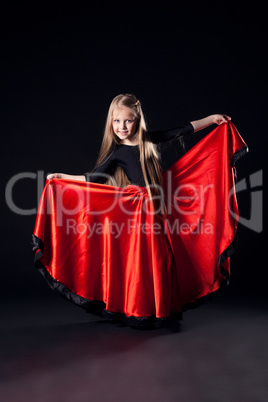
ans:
x=52 y=350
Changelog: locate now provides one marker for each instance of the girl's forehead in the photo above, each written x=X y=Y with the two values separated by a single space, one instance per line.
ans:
x=123 y=113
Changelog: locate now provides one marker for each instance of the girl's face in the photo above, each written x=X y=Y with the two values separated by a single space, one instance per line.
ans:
x=124 y=124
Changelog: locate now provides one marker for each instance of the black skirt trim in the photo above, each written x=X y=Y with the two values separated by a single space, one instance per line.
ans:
x=233 y=246
x=239 y=154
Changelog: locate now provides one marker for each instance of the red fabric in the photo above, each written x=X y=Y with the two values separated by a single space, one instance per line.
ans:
x=104 y=242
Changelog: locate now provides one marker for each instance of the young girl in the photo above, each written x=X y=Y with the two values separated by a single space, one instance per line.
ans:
x=141 y=276
x=125 y=125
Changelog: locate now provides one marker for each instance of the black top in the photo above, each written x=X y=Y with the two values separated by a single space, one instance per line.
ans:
x=128 y=156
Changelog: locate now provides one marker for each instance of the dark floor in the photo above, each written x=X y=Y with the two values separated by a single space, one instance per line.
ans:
x=52 y=350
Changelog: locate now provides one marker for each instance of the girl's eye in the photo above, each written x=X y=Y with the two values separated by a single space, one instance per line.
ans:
x=130 y=121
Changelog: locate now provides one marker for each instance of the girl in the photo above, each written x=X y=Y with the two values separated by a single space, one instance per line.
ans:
x=125 y=125
x=142 y=276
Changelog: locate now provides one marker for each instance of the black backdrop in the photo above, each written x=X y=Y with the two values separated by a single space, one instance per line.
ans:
x=63 y=62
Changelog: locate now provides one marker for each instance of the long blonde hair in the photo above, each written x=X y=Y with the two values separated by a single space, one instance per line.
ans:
x=149 y=155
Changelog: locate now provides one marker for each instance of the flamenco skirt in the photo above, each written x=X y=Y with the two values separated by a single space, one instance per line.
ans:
x=103 y=248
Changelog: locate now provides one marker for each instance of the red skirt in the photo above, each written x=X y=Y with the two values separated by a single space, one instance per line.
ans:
x=103 y=247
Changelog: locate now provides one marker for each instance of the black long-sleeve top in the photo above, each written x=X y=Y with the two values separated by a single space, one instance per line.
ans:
x=128 y=156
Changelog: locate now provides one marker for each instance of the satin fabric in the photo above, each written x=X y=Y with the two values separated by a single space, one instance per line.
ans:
x=104 y=243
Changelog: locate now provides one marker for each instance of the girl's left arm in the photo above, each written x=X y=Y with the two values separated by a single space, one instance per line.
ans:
x=207 y=121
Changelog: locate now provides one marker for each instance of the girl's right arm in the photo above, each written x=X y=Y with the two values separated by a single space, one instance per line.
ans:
x=209 y=120
x=97 y=175
x=66 y=176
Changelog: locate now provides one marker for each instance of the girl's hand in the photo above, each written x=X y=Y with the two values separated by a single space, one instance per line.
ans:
x=55 y=176
x=220 y=118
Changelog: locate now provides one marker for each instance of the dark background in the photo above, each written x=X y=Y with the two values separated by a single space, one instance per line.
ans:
x=62 y=64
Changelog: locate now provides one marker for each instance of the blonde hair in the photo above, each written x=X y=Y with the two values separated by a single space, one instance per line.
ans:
x=149 y=155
